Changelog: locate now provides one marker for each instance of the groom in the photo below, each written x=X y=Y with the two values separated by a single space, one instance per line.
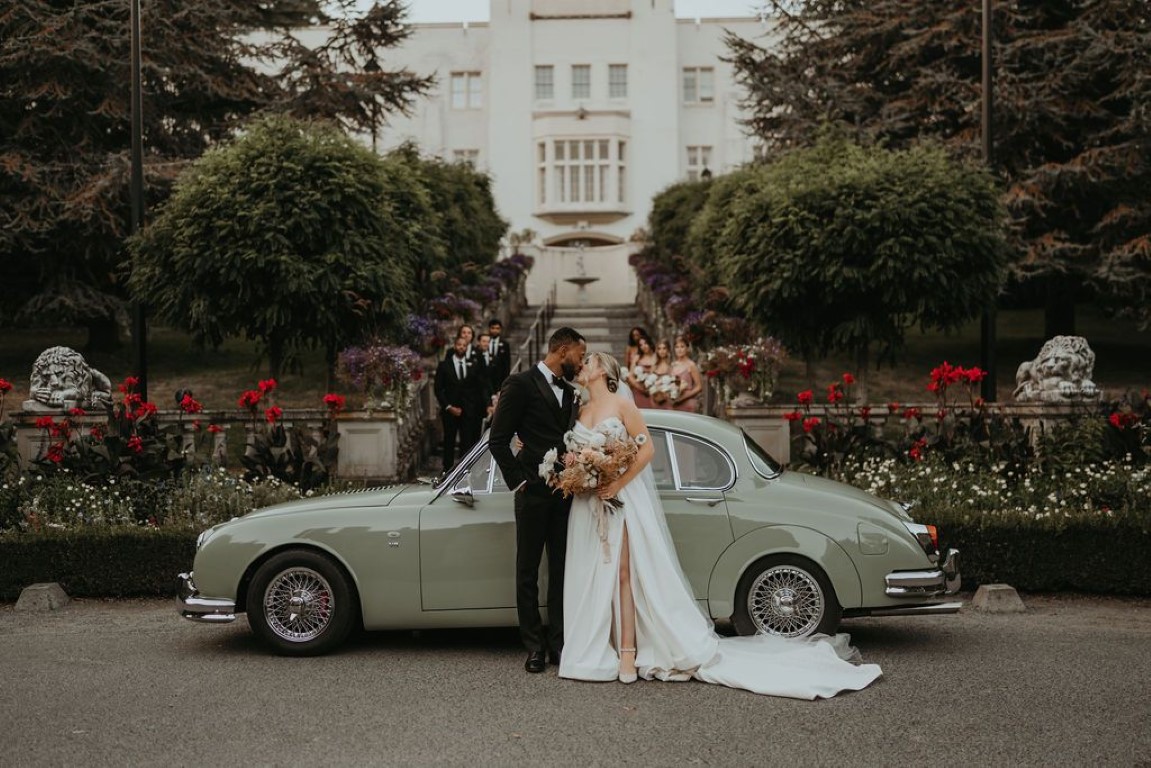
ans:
x=539 y=405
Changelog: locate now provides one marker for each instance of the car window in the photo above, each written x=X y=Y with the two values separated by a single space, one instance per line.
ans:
x=661 y=463
x=700 y=465
x=761 y=461
x=483 y=469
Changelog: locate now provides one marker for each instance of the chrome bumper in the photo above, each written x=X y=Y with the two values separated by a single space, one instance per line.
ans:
x=192 y=606
x=944 y=580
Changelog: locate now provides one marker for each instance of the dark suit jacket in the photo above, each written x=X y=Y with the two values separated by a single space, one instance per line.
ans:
x=501 y=364
x=472 y=393
x=528 y=408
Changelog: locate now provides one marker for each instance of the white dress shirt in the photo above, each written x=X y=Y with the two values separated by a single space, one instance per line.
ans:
x=556 y=388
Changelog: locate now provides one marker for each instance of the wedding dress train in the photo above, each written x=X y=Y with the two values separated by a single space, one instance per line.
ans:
x=675 y=640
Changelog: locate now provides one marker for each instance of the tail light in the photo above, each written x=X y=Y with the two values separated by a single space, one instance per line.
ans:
x=928 y=538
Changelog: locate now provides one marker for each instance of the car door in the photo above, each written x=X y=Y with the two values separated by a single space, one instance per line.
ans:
x=692 y=476
x=468 y=541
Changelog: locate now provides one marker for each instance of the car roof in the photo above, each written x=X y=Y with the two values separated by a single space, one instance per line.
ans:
x=693 y=423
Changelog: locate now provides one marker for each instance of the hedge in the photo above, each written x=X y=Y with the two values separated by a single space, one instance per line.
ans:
x=133 y=562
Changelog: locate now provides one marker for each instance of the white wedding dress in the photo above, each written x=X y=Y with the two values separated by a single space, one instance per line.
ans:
x=674 y=640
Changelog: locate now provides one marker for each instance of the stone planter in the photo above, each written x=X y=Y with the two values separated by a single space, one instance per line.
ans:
x=766 y=426
x=369 y=445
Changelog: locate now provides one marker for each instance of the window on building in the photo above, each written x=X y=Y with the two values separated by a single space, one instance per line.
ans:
x=698 y=85
x=581 y=81
x=467 y=90
x=545 y=82
x=585 y=171
x=698 y=161
x=617 y=81
x=469 y=156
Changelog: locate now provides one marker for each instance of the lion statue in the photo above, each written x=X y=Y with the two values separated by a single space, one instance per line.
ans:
x=1061 y=373
x=61 y=379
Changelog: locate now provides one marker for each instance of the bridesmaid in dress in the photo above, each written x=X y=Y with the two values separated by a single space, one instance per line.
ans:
x=631 y=352
x=690 y=380
x=662 y=367
x=643 y=364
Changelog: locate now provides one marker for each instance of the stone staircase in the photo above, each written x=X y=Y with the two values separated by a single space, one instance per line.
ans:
x=604 y=326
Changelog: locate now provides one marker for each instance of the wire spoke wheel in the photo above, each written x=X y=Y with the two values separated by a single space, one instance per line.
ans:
x=786 y=600
x=298 y=604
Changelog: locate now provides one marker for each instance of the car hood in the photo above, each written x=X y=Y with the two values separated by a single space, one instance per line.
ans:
x=839 y=491
x=369 y=497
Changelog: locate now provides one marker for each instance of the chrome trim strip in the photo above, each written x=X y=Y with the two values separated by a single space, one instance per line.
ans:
x=910 y=610
x=194 y=607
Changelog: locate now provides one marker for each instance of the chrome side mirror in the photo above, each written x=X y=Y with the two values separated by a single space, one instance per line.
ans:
x=463 y=495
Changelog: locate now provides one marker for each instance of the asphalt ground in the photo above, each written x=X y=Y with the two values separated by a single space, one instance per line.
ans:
x=129 y=683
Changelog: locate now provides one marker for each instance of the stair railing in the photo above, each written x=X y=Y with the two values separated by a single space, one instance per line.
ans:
x=534 y=346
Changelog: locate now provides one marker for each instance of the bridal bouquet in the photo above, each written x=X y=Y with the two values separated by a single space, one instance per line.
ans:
x=588 y=464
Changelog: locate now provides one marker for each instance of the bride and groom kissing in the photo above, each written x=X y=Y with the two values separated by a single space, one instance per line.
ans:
x=619 y=605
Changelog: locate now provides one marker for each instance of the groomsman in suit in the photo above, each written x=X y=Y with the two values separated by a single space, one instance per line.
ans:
x=463 y=393
x=501 y=353
x=535 y=408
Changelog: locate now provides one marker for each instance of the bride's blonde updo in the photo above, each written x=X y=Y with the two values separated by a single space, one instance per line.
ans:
x=610 y=366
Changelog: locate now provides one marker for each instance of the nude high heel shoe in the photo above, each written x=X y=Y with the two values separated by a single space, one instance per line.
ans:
x=628 y=677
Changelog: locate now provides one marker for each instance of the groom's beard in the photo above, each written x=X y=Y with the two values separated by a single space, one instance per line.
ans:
x=568 y=370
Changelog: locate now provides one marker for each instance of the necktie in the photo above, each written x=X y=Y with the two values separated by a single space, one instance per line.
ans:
x=460 y=368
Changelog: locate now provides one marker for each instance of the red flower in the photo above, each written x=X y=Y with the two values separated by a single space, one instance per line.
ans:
x=1122 y=420
x=77 y=412
x=196 y=425
x=975 y=375
x=5 y=386
x=810 y=423
x=793 y=416
x=848 y=379
x=980 y=402
x=834 y=393
x=56 y=453
x=916 y=452
x=892 y=407
x=145 y=410
x=135 y=444
x=941 y=414
x=214 y=428
x=97 y=433
x=132 y=399
x=129 y=384
x=267 y=385
x=45 y=422
x=805 y=397
x=250 y=398
x=335 y=403
x=911 y=413
x=865 y=412
x=188 y=404
x=273 y=414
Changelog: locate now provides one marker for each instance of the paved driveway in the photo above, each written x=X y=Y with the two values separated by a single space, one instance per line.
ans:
x=129 y=683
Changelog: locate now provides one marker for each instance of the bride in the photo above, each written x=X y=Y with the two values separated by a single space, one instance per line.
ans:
x=628 y=608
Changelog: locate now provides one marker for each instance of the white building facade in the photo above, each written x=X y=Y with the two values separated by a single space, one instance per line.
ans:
x=581 y=111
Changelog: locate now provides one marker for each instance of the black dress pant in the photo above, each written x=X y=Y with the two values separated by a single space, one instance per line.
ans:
x=541 y=522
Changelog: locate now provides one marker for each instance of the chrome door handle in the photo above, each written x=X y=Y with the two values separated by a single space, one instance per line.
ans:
x=711 y=502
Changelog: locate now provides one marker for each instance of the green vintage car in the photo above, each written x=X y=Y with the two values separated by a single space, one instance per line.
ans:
x=770 y=550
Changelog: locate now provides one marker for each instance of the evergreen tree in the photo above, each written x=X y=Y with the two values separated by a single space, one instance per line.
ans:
x=207 y=67
x=1071 y=122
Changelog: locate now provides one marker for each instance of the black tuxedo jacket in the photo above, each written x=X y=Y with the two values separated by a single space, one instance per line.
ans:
x=501 y=364
x=528 y=408
x=471 y=393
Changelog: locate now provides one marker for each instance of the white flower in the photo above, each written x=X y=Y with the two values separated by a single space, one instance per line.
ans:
x=547 y=466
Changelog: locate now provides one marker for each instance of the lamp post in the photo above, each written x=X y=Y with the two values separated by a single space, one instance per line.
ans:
x=373 y=69
x=136 y=193
x=987 y=325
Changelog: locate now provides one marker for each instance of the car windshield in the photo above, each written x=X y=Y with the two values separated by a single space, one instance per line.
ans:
x=761 y=460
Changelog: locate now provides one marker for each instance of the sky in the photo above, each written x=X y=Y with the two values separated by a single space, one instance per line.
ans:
x=477 y=10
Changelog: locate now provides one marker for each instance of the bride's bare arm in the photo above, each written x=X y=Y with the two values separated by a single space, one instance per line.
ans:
x=631 y=418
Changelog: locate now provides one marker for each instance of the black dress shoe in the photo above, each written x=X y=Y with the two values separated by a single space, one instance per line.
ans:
x=554 y=657
x=535 y=662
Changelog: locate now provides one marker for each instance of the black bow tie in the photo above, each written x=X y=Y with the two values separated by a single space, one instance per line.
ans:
x=558 y=381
